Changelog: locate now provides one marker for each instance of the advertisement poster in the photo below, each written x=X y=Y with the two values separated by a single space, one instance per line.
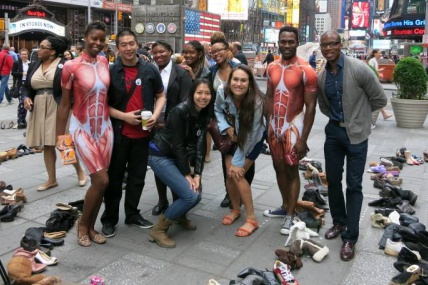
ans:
x=320 y=6
x=229 y=9
x=378 y=28
x=360 y=15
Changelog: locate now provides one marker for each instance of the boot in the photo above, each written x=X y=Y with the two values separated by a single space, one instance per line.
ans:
x=405 y=195
x=423 y=245
x=158 y=233
x=408 y=157
x=289 y=258
x=314 y=249
x=186 y=223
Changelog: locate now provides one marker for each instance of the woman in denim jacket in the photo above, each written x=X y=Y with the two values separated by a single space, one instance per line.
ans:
x=239 y=112
x=174 y=150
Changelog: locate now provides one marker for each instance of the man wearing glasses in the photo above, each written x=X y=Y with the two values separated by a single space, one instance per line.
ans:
x=292 y=85
x=348 y=92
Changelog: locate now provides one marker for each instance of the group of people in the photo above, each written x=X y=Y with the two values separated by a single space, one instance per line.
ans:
x=102 y=108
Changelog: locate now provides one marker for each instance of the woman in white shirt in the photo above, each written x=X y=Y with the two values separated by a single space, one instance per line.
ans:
x=374 y=56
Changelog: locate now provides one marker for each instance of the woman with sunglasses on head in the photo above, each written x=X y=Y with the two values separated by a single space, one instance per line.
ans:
x=239 y=112
x=177 y=83
x=174 y=150
x=41 y=94
x=219 y=74
x=85 y=81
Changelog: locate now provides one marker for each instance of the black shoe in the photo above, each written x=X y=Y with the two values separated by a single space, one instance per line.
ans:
x=108 y=230
x=139 y=222
x=226 y=202
x=22 y=126
x=159 y=208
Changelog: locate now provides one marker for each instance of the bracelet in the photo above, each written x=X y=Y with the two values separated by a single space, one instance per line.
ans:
x=197 y=175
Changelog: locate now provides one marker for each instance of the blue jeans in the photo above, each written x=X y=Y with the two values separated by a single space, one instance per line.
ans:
x=166 y=169
x=336 y=147
x=4 y=88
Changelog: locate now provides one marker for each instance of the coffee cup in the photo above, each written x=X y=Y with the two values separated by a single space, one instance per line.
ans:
x=145 y=116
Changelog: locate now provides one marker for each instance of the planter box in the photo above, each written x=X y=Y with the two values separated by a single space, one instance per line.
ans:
x=409 y=113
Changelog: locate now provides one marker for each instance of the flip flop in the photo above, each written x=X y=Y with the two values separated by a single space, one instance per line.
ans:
x=64 y=207
x=10 y=125
x=242 y=232
x=2 y=126
x=227 y=220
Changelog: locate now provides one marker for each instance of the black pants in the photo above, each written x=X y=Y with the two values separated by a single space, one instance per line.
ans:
x=130 y=155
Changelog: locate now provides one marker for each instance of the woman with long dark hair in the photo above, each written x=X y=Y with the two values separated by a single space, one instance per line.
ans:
x=85 y=81
x=239 y=112
x=177 y=83
x=174 y=151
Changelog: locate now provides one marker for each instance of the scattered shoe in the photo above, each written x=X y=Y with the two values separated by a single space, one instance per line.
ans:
x=406 y=277
x=283 y=273
x=393 y=248
x=279 y=212
x=316 y=250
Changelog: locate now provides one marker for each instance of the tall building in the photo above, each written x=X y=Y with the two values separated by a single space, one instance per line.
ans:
x=322 y=23
x=334 y=8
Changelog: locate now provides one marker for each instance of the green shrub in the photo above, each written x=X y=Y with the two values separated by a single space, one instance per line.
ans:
x=410 y=79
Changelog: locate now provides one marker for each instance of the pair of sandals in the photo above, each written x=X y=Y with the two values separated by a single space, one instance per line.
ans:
x=241 y=232
x=8 y=126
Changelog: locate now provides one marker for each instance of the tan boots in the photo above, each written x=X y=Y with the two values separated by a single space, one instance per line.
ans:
x=158 y=233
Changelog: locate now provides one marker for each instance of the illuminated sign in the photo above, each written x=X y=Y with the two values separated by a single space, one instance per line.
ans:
x=39 y=14
x=404 y=23
x=382 y=44
x=36 y=24
x=271 y=35
x=360 y=14
x=406 y=32
x=229 y=9
x=357 y=33
x=295 y=11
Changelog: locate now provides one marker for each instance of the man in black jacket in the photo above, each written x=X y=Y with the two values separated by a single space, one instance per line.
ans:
x=135 y=86
x=238 y=54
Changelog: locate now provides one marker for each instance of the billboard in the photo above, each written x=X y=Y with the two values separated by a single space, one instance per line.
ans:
x=377 y=28
x=271 y=35
x=229 y=9
x=360 y=15
x=382 y=44
x=200 y=25
x=320 y=6
x=380 y=7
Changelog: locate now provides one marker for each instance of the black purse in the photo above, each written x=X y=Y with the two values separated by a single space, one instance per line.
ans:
x=14 y=92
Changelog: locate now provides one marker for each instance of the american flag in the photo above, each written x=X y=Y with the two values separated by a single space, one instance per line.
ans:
x=199 y=25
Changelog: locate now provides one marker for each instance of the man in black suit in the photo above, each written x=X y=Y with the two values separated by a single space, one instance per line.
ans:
x=238 y=54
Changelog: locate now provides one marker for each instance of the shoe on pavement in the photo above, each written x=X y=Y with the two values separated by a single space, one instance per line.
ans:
x=226 y=202
x=283 y=273
x=393 y=248
x=108 y=230
x=411 y=274
x=279 y=212
x=288 y=223
x=139 y=221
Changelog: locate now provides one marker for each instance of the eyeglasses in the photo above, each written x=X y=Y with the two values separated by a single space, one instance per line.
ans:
x=330 y=44
x=217 y=51
x=43 y=47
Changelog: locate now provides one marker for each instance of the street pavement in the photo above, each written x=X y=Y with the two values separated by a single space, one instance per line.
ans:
x=212 y=251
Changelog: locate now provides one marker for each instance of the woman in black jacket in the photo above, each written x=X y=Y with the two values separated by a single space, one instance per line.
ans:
x=177 y=83
x=19 y=73
x=174 y=150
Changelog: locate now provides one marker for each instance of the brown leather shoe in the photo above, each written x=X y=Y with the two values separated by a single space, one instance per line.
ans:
x=347 y=252
x=334 y=231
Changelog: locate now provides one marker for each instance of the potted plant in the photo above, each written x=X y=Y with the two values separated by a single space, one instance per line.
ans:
x=410 y=104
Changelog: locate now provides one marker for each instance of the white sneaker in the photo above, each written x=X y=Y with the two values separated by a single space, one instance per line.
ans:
x=283 y=273
x=393 y=248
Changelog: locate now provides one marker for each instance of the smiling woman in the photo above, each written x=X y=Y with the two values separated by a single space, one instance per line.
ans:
x=86 y=80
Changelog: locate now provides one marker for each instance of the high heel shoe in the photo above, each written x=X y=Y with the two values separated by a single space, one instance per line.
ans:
x=318 y=183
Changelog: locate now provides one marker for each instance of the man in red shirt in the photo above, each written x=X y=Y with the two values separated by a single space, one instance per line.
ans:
x=6 y=63
x=135 y=85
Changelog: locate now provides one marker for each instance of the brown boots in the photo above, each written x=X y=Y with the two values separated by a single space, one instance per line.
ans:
x=186 y=223
x=158 y=233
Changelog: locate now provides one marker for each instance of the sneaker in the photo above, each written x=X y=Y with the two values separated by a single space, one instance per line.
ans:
x=279 y=212
x=108 y=230
x=283 y=273
x=139 y=222
x=288 y=223
x=393 y=248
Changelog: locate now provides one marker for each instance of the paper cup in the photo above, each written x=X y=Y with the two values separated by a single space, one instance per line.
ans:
x=145 y=116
